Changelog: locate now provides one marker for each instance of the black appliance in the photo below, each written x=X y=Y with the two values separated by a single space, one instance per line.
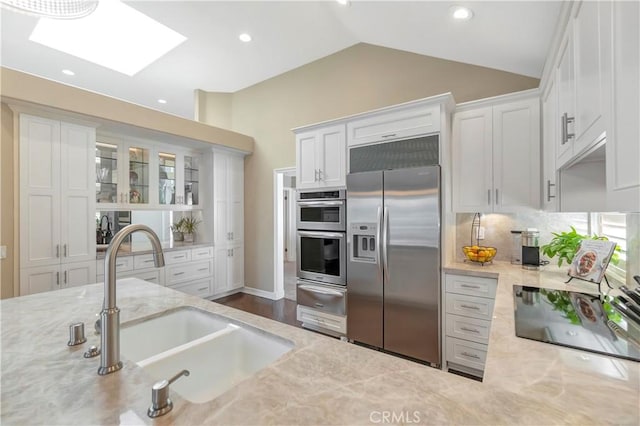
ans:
x=576 y=320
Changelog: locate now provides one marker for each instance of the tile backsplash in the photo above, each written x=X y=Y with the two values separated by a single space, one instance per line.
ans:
x=498 y=232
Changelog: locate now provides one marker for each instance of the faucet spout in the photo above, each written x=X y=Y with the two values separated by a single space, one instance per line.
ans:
x=110 y=315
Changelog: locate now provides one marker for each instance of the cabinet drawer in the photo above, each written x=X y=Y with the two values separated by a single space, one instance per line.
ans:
x=467 y=328
x=201 y=288
x=143 y=261
x=180 y=256
x=202 y=253
x=152 y=276
x=472 y=286
x=400 y=124
x=315 y=318
x=192 y=271
x=462 y=352
x=123 y=264
x=469 y=306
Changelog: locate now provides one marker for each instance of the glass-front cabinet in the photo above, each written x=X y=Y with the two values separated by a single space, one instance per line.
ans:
x=167 y=178
x=107 y=156
x=134 y=174
x=191 y=180
x=138 y=175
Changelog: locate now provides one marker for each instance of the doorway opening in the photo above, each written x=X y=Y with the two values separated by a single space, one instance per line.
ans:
x=285 y=232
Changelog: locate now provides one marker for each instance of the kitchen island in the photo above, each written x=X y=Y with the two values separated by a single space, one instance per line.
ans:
x=321 y=381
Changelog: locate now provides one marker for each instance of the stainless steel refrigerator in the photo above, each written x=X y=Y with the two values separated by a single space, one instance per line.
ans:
x=393 y=269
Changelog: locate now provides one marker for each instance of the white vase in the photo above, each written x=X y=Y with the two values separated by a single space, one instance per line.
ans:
x=188 y=238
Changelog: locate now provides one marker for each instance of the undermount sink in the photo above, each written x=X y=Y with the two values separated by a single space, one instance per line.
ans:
x=149 y=336
x=218 y=352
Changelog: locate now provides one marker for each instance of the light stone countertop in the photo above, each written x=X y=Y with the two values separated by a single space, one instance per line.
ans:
x=606 y=389
x=321 y=381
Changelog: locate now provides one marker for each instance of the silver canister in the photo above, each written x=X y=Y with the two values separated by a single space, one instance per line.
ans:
x=530 y=238
x=530 y=249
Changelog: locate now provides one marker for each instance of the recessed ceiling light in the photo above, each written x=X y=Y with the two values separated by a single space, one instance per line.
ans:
x=343 y=2
x=68 y=72
x=115 y=36
x=461 y=13
x=162 y=101
x=245 y=37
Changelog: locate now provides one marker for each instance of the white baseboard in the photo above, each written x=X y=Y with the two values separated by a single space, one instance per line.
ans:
x=262 y=293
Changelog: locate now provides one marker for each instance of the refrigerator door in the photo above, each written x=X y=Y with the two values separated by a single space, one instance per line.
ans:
x=411 y=228
x=364 y=271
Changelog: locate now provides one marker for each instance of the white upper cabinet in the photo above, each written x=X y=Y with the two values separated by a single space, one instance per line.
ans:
x=550 y=135
x=228 y=194
x=401 y=122
x=581 y=78
x=623 y=135
x=57 y=192
x=496 y=156
x=597 y=73
x=321 y=157
x=566 y=100
x=589 y=76
x=473 y=160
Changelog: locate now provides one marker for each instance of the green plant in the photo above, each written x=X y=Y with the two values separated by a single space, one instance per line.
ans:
x=566 y=244
x=178 y=226
x=189 y=225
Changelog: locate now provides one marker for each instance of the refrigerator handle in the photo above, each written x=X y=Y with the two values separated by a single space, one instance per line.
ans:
x=385 y=242
x=379 y=240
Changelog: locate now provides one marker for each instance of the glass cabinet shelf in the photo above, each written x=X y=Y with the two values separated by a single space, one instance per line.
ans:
x=138 y=175
x=191 y=179
x=167 y=178
x=106 y=173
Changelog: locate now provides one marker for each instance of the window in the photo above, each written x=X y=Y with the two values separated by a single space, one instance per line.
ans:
x=614 y=227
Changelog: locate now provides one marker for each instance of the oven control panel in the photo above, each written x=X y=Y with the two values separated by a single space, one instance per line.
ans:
x=364 y=247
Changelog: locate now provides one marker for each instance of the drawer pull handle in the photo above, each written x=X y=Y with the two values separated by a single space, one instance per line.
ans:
x=148 y=261
x=471 y=330
x=203 y=269
x=150 y=279
x=179 y=257
x=119 y=264
x=178 y=273
x=203 y=289
x=475 y=287
x=470 y=307
x=468 y=355
x=390 y=135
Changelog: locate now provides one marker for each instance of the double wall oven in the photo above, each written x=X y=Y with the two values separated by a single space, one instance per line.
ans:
x=321 y=261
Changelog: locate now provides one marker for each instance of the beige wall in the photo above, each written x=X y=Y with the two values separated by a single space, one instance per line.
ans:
x=354 y=80
x=6 y=202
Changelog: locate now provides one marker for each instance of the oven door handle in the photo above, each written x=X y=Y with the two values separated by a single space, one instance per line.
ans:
x=320 y=203
x=339 y=235
x=319 y=290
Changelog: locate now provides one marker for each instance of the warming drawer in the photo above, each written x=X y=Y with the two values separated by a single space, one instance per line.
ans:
x=325 y=298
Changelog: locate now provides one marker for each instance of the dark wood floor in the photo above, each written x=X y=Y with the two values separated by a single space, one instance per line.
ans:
x=283 y=310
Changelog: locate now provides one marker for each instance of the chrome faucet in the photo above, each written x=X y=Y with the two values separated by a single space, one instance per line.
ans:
x=110 y=315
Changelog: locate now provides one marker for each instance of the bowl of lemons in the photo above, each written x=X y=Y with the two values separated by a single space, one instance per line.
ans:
x=479 y=254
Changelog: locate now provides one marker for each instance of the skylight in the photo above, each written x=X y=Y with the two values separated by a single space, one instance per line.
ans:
x=115 y=36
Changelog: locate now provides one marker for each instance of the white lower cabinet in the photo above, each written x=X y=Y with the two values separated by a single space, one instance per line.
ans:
x=187 y=270
x=229 y=269
x=469 y=303
x=46 y=278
